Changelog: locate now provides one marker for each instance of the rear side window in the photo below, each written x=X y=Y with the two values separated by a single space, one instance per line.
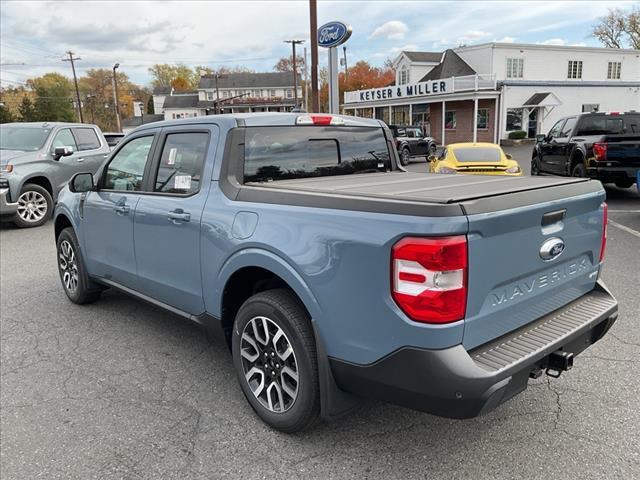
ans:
x=603 y=125
x=180 y=168
x=568 y=127
x=279 y=153
x=86 y=138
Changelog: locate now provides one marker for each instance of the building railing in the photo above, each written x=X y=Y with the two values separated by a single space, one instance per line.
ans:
x=474 y=82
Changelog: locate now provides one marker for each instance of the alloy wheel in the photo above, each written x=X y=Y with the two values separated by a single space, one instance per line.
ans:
x=68 y=266
x=269 y=364
x=32 y=206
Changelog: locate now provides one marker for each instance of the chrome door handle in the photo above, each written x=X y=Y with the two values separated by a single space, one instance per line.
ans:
x=177 y=216
x=121 y=209
x=79 y=159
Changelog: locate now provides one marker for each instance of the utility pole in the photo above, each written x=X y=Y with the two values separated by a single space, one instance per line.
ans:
x=346 y=75
x=115 y=96
x=306 y=81
x=75 y=80
x=295 y=70
x=217 y=76
x=313 y=21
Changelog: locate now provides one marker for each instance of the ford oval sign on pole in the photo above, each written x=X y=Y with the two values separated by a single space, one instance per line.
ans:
x=330 y=35
x=333 y=34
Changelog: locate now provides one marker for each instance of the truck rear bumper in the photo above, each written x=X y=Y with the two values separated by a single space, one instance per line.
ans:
x=613 y=174
x=6 y=207
x=456 y=383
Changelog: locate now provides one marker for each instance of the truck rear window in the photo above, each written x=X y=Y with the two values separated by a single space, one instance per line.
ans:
x=279 y=153
x=609 y=124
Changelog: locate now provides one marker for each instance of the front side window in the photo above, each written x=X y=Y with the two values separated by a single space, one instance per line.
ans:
x=126 y=170
x=613 y=70
x=574 y=69
x=280 y=153
x=180 y=168
x=483 y=118
x=515 y=67
x=86 y=138
x=64 y=139
x=556 y=129
x=568 y=127
x=450 y=120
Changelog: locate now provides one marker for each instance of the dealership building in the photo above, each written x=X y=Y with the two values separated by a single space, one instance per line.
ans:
x=484 y=92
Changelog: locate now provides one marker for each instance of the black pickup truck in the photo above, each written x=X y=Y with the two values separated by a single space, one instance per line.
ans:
x=604 y=146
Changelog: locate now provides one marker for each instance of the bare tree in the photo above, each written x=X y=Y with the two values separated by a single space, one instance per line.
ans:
x=619 y=29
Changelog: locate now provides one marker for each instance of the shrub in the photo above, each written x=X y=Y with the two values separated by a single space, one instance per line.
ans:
x=517 y=135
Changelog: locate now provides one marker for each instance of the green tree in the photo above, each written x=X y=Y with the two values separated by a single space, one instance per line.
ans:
x=54 y=98
x=150 y=108
x=619 y=29
x=27 y=110
x=5 y=115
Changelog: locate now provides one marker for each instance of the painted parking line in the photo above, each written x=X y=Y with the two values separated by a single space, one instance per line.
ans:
x=623 y=211
x=625 y=228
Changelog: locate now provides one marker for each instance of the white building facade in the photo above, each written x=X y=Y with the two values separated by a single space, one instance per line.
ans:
x=498 y=88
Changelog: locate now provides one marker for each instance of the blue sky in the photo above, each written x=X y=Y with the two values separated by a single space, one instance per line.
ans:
x=137 y=34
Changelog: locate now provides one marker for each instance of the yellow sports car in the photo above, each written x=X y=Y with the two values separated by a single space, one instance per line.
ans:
x=474 y=158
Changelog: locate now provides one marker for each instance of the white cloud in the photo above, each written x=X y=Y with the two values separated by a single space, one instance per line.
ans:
x=554 y=41
x=391 y=30
x=506 y=40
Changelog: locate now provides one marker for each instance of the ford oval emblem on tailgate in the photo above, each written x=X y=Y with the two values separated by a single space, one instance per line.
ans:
x=551 y=249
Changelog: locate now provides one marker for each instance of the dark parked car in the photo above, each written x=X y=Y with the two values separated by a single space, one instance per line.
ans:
x=411 y=142
x=604 y=146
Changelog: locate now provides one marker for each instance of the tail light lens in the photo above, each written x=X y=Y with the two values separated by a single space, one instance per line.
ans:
x=600 y=151
x=605 y=219
x=429 y=278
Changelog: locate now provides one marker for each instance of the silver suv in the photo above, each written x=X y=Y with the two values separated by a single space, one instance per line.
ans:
x=37 y=160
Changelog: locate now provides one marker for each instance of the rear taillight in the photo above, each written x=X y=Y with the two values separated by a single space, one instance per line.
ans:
x=319 y=120
x=600 y=151
x=605 y=219
x=429 y=278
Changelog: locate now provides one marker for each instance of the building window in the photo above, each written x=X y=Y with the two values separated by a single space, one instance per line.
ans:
x=613 y=70
x=225 y=94
x=272 y=93
x=590 y=107
x=289 y=93
x=483 y=118
x=515 y=67
x=574 y=69
x=256 y=93
x=514 y=119
x=209 y=95
x=450 y=120
x=403 y=78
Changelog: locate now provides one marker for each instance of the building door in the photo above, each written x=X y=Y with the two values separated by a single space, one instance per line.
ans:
x=532 y=129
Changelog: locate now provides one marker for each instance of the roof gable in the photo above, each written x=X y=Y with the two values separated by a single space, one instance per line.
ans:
x=451 y=66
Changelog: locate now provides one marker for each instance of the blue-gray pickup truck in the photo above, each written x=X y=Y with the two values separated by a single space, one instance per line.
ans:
x=331 y=272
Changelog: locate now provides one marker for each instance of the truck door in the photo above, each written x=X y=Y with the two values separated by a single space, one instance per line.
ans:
x=108 y=212
x=91 y=153
x=167 y=219
x=549 y=149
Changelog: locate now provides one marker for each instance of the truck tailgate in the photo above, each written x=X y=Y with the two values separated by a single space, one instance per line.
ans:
x=510 y=284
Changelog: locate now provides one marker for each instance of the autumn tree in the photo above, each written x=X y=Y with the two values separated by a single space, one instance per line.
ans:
x=619 y=29
x=180 y=84
x=285 y=64
x=5 y=114
x=163 y=74
x=54 y=98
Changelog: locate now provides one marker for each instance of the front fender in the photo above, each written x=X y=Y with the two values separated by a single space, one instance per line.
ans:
x=257 y=257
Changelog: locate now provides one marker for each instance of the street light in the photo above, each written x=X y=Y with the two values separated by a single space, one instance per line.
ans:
x=115 y=97
x=295 y=70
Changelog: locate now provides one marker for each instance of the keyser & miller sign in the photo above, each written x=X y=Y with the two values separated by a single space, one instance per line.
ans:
x=434 y=87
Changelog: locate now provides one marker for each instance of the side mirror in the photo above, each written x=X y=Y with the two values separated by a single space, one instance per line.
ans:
x=431 y=158
x=60 y=152
x=509 y=156
x=541 y=138
x=81 y=183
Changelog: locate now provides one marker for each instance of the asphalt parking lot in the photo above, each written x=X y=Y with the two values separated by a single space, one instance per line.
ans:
x=120 y=390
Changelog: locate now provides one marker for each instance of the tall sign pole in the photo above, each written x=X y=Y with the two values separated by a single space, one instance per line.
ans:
x=331 y=35
x=313 y=17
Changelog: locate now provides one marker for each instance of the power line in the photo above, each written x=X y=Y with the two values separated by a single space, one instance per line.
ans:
x=75 y=80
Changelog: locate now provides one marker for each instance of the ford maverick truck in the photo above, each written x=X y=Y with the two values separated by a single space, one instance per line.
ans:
x=331 y=272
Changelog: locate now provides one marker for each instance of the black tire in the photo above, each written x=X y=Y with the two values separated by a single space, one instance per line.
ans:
x=624 y=183
x=82 y=290
x=405 y=157
x=535 y=166
x=579 y=170
x=35 y=206
x=282 y=309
